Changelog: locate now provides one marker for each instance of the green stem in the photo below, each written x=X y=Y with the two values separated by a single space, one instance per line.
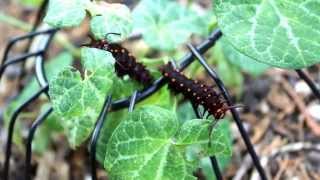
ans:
x=60 y=38
x=14 y=22
x=63 y=40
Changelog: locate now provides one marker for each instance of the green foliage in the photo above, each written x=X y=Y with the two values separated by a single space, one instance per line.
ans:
x=161 y=98
x=46 y=131
x=112 y=121
x=223 y=161
x=229 y=73
x=165 y=24
x=195 y=152
x=32 y=3
x=185 y=112
x=52 y=68
x=150 y=145
x=244 y=62
x=124 y=87
x=196 y=131
x=79 y=100
x=63 y=13
x=113 y=18
x=282 y=33
x=105 y=18
x=151 y=142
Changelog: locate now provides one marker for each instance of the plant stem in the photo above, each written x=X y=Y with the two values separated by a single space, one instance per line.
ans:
x=14 y=22
x=63 y=40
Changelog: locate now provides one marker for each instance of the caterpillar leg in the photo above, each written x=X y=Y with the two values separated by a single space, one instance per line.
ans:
x=195 y=108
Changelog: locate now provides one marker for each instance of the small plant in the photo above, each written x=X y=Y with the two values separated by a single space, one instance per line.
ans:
x=156 y=140
x=149 y=142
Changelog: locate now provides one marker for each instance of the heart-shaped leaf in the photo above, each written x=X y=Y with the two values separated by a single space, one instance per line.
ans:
x=142 y=147
x=149 y=144
x=111 y=18
x=282 y=33
x=165 y=24
x=68 y=13
x=196 y=131
x=78 y=101
x=246 y=63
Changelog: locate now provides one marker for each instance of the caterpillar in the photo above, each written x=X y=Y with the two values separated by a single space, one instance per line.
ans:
x=197 y=93
x=126 y=63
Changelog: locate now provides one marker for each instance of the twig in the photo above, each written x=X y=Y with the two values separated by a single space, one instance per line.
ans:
x=311 y=123
x=283 y=166
x=289 y=148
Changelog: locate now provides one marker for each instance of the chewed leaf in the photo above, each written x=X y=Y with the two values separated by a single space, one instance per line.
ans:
x=165 y=24
x=78 y=101
x=52 y=68
x=111 y=18
x=62 y=13
x=196 y=131
x=280 y=33
x=142 y=147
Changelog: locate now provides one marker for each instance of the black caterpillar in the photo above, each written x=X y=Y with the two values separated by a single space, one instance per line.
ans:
x=197 y=93
x=126 y=64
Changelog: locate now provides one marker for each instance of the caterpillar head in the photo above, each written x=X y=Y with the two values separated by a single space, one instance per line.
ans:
x=166 y=69
x=102 y=44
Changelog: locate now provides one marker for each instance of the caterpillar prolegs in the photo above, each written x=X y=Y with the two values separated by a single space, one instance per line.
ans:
x=197 y=93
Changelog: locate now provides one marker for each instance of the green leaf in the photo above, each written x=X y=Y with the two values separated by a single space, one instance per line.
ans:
x=207 y=22
x=78 y=101
x=46 y=131
x=52 y=68
x=113 y=18
x=185 y=112
x=229 y=73
x=124 y=87
x=196 y=131
x=112 y=121
x=165 y=24
x=93 y=58
x=68 y=13
x=161 y=98
x=282 y=33
x=223 y=161
x=206 y=166
x=246 y=63
x=42 y=140
x=32 y=3
x=142 y=147
x=149 y=144
x=196 y=152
